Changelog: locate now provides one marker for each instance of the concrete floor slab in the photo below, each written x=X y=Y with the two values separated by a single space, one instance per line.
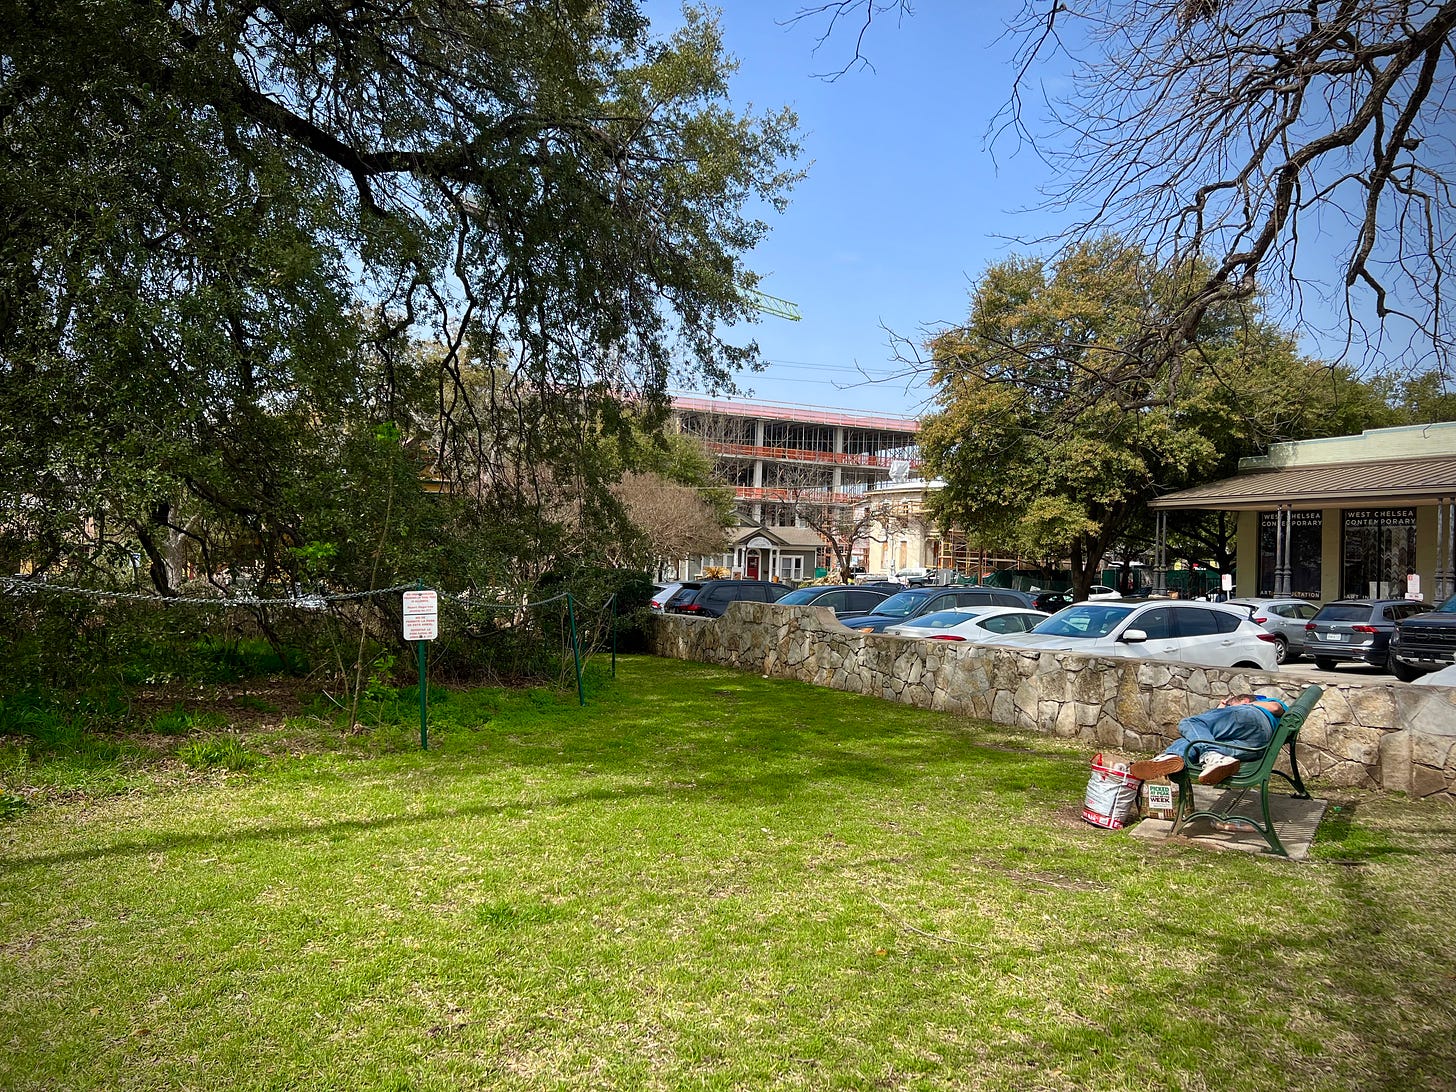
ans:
x=1295 y=821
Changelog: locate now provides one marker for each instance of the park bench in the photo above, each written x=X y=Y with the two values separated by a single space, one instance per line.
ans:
x=1256 y=769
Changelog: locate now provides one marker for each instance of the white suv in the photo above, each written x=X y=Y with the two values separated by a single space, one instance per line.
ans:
x=1210 y=634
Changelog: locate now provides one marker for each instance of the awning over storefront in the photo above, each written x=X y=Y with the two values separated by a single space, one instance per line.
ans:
x=1391 y=482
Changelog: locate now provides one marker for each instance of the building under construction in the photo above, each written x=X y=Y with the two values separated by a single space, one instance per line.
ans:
x=780 y=458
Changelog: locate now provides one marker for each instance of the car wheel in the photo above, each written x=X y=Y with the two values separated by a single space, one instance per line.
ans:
x=1404 y=672
x=1281 y=649
x=1324 y=663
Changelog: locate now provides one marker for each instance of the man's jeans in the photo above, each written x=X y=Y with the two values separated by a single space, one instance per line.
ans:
x=1201 y=734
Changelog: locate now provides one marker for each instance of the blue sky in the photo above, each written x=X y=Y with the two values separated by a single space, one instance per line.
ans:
x=902 y=206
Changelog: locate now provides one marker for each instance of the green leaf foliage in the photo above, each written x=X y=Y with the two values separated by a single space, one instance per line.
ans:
x=1049 y=443
x=333 y=295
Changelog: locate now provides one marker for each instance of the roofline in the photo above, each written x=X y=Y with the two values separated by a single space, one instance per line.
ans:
x=791 y=411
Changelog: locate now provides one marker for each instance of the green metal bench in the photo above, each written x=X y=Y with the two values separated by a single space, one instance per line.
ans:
x=1256 y=768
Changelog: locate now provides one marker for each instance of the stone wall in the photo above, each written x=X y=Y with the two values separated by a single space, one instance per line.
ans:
x=1382 y=735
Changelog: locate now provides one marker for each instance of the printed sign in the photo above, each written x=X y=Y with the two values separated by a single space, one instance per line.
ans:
x=1160 y=797
x=421 y=616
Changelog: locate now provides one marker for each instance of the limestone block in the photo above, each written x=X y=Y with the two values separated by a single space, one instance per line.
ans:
x=1429 y=709
x=1046 y=715
x=1395 y=761
x=1131 y=704
x=1089 y=687
x=1435 y=751
x=1356 y=744
x=1108 y=733
x=1003 y=707
x=1065 y=724
x=1153 y=674
x=1166 y=708
x=1372 y=706
x=1426 y=782
x=1087 y=713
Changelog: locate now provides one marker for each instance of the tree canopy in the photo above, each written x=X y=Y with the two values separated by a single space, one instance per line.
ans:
x=1040 y=455
x=240 y=239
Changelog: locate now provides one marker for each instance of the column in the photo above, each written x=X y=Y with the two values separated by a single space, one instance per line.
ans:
x=1160 y=553
x=1283 y=533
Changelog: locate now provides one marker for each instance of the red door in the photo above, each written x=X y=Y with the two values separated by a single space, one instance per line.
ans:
x=751 y=561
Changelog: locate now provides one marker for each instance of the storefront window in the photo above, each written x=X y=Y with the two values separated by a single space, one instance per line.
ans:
x=1305 y=547
x=1379 y=552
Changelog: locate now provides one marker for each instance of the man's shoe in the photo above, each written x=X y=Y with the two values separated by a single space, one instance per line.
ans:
x=1150 y=768
x=1219 y=767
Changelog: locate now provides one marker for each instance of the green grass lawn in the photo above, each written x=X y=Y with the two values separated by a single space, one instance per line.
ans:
x=702 y=879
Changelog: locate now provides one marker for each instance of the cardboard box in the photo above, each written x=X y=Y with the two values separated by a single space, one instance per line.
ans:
x=1159 y=799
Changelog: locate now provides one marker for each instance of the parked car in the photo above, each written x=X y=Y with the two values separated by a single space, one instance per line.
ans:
x=1052 y=601
x=913 y=602
x=840 y=598
x=1212 y=634
x=1000 y=597
x=975 y=624
x=1357 y=629
x=1102 y=591
x=1285 y=618
x=661 y=594
x=1424 y=643
x=710 y=598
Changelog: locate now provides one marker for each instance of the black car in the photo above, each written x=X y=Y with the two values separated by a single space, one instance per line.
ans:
x=1424 y=643
x=1357 y=629
x=1052 y=601
x=840 y=598
x=913 y=602
x=710 y=598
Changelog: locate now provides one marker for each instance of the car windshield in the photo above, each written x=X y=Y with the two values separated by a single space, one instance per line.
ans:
x=900 y=606
x=944 y=619
x=1344 y=612
x=801 y=595
x=1449 y=606
x=1084 y=620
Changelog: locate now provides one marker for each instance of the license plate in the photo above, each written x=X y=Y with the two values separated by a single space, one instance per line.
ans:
x=1335 y=637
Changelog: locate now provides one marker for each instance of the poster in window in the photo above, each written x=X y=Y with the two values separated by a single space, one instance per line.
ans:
x=1306 y=543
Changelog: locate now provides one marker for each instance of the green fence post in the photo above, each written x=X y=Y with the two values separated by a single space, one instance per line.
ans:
x=424 y=735
x=575 y=650
x=614 y=635
x=420 y=650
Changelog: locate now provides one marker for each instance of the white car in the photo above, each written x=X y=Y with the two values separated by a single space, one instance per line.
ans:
x=1102 y=591
x=1210 y=634
x=661 y=595
x=975 y=624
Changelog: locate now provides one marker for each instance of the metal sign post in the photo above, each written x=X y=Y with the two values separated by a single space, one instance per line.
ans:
x=421 y=624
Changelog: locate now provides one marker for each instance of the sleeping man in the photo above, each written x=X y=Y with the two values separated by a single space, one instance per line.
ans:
x=1244 y=719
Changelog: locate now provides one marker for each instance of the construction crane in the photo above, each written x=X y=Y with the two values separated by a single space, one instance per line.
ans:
x=772 y=305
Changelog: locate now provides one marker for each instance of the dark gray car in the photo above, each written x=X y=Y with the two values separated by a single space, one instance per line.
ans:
x=913 y=602
x=710 y=598
x=1357 y=629
x=842 y=599
x=1285 y=619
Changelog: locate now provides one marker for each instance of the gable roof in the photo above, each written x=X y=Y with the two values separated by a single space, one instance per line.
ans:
x=793 y=538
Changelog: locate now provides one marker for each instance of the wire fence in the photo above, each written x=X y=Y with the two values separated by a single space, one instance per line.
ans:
x=601 y=620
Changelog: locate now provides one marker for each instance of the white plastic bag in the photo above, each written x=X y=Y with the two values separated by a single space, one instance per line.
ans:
x=1112 y=795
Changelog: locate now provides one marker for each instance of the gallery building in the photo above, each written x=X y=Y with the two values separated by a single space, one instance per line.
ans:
x=1368 y=516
